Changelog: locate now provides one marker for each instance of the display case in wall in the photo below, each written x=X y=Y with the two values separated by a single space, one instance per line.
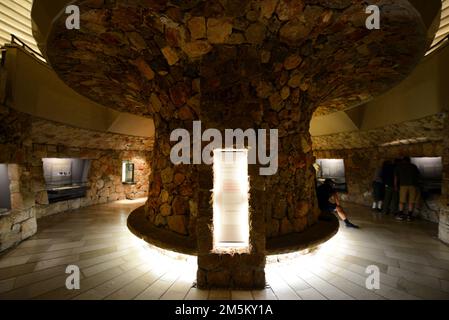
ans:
x=5 y=194
x=332 y=169
x=128 y=172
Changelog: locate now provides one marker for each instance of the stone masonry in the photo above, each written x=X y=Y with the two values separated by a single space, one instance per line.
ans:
x=444 y=213
x=20 y=222
x=426 y=129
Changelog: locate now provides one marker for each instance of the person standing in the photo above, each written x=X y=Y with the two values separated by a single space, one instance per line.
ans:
x=395 y=199
x=388 y=179
x=406 y=181
x=378 y=190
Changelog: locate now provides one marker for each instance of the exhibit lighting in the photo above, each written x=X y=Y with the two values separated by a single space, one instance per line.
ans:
x=230 y=200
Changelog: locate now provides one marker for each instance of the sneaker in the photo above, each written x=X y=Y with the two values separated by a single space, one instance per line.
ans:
x=409 y=218
x=351 y=225
x=400 y=217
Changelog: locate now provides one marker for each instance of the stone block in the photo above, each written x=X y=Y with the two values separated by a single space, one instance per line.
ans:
x=197 y=27
x=218 y=30
x=42 y=198
x=74 y=204
x=209 y=261
x=178 y=224
x=165 y=210
x=443 y=228
x=29 y=228
x=286 y=226
x=218 y=279
x=6 y=223
x=14 y=186
x=272 y=228
x=14 y=172
x=180 y=206
x=20 y=216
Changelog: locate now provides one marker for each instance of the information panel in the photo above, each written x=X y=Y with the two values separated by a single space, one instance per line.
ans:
x=230 y=200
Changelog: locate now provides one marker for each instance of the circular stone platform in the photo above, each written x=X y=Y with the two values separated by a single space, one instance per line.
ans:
x=319 y=233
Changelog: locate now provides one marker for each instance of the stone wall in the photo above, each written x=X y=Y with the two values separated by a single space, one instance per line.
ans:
x=25 y=140
x=15 y=140
x=49 y=132
x=19 y=222
x=426 y=129
x=361 y=165
x=444 y=214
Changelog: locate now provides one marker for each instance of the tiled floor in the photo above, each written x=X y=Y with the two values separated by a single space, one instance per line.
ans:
x=114 y=264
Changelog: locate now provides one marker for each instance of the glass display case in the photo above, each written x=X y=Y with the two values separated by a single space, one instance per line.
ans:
x=5 y=194
x=332 y=169
x=431 y=173
x=128 y=172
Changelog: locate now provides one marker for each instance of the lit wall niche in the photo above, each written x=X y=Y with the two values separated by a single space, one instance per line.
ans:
x=230 y=200
x=128 y=172
x=66 y=178
x=5 y=194
x=431 y=173
x=332 y=169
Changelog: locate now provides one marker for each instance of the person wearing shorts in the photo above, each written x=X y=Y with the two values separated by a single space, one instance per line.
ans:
x=325 y=193
x=406 y=181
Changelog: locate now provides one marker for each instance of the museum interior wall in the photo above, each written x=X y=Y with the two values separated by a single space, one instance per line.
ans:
x=111 y=115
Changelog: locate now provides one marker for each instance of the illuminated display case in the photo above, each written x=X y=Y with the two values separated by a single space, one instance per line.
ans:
x=5 y=194
x=431 y=173
x=231 y=203
x=66 y=178
x=332 y=169
x=128 y=172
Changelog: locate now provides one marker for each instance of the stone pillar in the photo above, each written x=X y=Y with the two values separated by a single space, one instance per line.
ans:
x=173 y=194
x=237 y=91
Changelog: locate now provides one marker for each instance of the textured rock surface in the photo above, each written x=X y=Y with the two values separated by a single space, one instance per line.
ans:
x=44 y=131
x=20 y=222
x=252 y=64
x=416 y=131
x=342 y=62
x=444 y=212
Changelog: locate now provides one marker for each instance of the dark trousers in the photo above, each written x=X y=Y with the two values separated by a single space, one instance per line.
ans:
x=378 y=191
x=391 y=201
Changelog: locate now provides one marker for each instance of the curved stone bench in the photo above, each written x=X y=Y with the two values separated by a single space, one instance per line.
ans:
x=317 y=234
